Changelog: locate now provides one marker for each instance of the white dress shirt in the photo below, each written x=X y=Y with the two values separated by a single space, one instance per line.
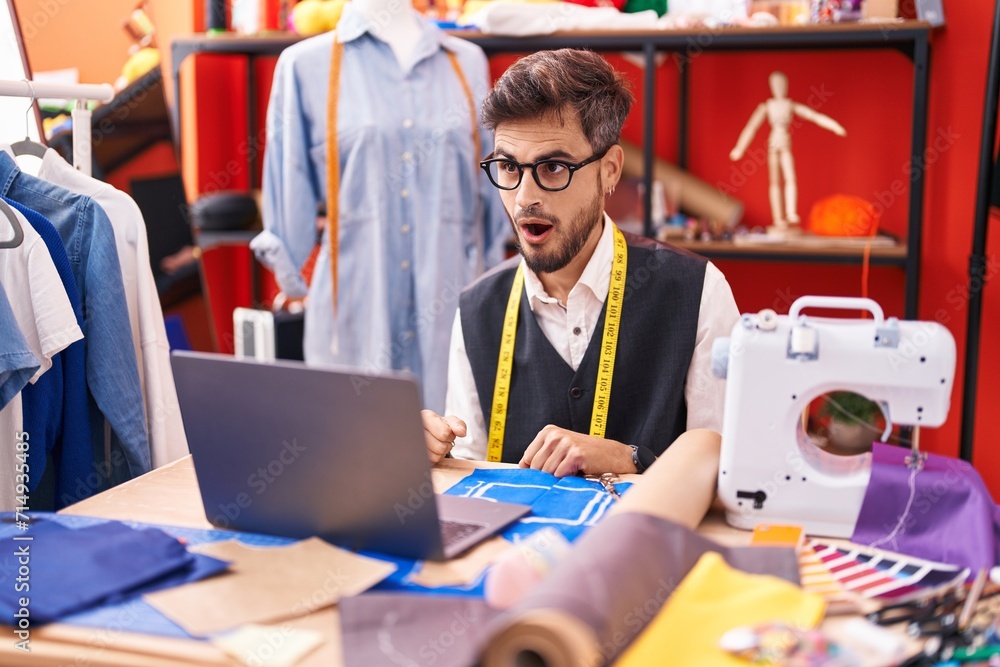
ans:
x=568 y=327
x=167 y=439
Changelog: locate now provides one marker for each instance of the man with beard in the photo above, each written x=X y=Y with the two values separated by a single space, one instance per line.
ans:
x=591 y=352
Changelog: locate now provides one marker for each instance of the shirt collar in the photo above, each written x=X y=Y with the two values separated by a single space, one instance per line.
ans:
x=596 y=275
x=353 y=24
x=8 y=170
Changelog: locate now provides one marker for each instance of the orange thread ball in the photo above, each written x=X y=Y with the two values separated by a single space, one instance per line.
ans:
x=843 y=215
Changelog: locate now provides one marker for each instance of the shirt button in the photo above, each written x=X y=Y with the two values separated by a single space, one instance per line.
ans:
x=404 y=193
x=576 y=392
x=405 y=229
x=577 y=331
x=407 y=156
x=408 y=123
x=405 y=264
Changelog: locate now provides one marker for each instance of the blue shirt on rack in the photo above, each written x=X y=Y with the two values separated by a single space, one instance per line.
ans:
x=112 y=369
x=56 y=410
x=418 y=218
x=17 y=363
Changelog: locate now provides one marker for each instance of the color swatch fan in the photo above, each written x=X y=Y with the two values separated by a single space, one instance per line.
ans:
x=873 y=573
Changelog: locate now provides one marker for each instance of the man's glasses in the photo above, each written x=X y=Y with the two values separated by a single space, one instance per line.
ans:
x=552 y=175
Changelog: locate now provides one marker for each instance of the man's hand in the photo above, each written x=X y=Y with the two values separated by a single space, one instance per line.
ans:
x=440 y=433
x=562 y=453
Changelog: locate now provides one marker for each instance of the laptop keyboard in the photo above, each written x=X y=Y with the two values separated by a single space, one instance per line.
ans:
x=453 y=531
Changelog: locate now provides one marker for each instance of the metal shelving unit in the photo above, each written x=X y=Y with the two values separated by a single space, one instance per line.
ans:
x=911 y=38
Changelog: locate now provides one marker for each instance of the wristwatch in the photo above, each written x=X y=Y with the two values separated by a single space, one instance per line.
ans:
x=642 y=458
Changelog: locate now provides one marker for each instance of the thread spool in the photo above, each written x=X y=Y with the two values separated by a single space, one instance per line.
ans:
x=215 y=16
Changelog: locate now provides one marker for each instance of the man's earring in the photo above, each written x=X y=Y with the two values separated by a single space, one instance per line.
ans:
x=611 y=191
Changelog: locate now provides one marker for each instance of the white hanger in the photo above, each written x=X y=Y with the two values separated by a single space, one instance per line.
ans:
x=26 y=146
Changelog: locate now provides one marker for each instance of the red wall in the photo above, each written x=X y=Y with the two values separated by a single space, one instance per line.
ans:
x=869 y=93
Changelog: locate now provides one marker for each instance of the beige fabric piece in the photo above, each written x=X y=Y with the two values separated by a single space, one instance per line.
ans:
x=269 y=645
x=268 y=584
x=463 y=570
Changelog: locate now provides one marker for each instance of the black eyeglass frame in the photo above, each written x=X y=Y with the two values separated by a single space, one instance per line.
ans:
x=573 y=167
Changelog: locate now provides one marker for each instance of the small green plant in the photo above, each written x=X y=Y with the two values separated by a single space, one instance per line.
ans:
x=850 y=408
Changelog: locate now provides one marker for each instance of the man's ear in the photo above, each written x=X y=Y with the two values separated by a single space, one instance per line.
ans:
x=611 y=167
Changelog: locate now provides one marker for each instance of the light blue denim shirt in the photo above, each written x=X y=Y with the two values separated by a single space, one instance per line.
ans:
x=112 y=370
x=17 y=363
x=418 y=218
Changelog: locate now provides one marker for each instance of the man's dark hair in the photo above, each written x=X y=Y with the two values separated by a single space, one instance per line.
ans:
x=556 y=82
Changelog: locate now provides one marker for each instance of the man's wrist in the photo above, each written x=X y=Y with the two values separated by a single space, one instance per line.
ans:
x=628 y=460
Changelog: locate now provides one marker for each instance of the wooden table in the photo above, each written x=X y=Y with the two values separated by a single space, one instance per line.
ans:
x=170 y=496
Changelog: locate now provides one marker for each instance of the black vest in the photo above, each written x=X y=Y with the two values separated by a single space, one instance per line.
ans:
x=663 y=287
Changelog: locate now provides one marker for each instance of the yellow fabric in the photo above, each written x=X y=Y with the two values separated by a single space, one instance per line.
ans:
x=471 y=7
x=713 y=599
x=139 y=63
x=313 y=17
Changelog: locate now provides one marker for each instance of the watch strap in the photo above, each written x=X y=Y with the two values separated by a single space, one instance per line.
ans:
x=642 y=458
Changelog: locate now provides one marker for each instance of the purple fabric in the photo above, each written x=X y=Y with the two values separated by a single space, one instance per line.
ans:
x=953 y=518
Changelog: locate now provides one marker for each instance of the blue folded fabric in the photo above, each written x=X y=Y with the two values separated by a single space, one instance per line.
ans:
x=61 y=570
x=200 y=567
x=570 y=504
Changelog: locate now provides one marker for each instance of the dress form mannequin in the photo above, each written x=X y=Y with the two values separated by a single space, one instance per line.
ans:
x=780 y=164
x=394 y=22
x=417 y=221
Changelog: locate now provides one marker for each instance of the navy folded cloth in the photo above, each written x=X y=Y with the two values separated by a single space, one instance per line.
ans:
x=61 y=570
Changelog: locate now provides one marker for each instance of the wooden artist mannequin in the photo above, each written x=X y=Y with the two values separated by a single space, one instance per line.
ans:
x=779 y=111
x=396 y=23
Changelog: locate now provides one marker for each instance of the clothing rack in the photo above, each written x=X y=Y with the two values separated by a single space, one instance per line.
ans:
x=81 y=93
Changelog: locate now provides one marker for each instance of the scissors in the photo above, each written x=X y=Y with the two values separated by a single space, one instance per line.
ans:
x=947 y=621
x=607 y=480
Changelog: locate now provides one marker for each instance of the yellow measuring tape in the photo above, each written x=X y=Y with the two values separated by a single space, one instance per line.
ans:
x=333 y=166
x=605 y=368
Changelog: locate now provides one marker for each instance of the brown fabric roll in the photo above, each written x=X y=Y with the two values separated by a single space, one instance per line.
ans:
x=609 y=587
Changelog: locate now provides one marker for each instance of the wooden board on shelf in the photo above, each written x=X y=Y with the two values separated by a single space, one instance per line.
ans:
x=805 y=247
x=814 y=241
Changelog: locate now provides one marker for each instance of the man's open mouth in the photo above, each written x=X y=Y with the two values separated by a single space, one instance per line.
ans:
x=535 y=231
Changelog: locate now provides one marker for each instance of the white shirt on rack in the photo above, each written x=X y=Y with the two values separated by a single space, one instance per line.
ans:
x=45 y=317
x=569 y=327
x=167 y=439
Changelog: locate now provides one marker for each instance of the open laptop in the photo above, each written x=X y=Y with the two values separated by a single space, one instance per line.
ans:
x=285 y=449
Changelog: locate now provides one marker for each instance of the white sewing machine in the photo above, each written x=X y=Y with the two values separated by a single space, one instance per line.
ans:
x=776 y=365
